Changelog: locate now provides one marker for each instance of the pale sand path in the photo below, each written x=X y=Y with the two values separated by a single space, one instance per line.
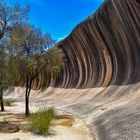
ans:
x=78 y=131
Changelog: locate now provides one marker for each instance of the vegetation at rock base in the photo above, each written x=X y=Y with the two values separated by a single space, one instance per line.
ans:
x=26 y=55
x=10 y=17
x=40 y=122
x=35 y=59
x=7 y=103
x=4 y=122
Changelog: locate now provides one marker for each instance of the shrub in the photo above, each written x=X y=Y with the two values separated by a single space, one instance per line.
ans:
x=4 y=122
x=7 y=103
x=40 y=122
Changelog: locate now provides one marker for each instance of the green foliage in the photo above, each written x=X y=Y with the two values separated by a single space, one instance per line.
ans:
x=28 y=59
x=36 y=62
x=4 y=122
x=10 y=16
x=40 y=122
x=7 y=69
x=55 y=58
x=7 y=103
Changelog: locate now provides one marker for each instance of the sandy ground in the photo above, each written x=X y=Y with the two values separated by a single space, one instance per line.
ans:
x=62 y=133
x=78 y=131
x=112 y=113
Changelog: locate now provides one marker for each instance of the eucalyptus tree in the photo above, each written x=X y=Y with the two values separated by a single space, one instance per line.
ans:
x=10 y=16
x=3 y=73
x=7 y=78
x=38 y=62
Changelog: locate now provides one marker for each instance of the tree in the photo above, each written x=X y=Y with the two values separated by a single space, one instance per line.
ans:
x=36 y=59
x=10 y=16
x=6 y=73
x=3 y=66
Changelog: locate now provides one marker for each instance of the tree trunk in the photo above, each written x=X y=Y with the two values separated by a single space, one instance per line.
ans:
x=1 y=35
x=1 y=99
x=27 y=95
x=27 y=111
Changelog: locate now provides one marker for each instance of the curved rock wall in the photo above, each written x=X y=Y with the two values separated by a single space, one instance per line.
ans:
x=103 y=61
x=104 y=49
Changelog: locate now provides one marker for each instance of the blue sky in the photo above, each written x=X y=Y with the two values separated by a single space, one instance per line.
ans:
x=59 y=17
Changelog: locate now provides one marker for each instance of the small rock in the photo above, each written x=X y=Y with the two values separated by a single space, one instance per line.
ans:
x=103 y=108
x=8 y=128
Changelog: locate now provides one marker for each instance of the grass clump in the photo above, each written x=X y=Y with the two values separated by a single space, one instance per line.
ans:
x=7 y=103
x=40 y=122
x=4 y=122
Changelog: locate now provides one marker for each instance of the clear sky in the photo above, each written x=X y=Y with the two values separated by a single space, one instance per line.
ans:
x=59 y=17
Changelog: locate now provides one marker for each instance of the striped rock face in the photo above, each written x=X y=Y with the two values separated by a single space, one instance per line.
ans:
x=100 y=80
x=104 y=49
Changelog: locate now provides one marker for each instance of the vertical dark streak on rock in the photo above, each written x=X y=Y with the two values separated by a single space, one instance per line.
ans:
x=104 y=49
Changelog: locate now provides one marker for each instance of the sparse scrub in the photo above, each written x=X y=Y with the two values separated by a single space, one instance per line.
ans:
x=7 y=103
x=40 y=122
x=4 y=122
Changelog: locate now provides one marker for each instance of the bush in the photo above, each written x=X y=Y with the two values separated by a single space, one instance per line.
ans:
x=4 y=122
x=40 y=122
x=7 y=103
